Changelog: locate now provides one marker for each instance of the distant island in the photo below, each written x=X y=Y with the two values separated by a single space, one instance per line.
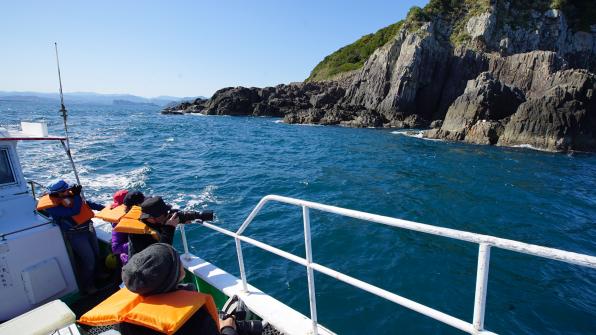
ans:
x=508 y=73
x=93 y=98
x=119 y=102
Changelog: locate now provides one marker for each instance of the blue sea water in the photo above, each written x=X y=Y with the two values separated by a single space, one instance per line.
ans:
x=228 y=163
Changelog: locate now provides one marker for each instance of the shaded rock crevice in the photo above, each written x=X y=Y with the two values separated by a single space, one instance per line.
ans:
x=477 y=116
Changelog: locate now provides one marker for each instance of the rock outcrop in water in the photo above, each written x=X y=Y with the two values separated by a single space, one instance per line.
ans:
x=475 y=116
x=525 y=99
x=480 y=77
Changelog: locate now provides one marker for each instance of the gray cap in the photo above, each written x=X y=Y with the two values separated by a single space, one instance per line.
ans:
x=154 y=270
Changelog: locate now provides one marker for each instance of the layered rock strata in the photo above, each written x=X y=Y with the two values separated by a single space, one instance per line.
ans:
x=506 y=84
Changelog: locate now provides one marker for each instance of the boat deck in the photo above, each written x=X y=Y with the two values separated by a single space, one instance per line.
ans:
x=281 y=318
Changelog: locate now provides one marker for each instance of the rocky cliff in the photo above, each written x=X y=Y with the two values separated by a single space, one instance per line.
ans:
x=506 y=73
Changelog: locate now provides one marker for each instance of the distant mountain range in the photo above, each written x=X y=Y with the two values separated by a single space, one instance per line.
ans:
x=95 y=98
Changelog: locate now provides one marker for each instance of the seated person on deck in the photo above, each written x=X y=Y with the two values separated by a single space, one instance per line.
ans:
x=152 y=280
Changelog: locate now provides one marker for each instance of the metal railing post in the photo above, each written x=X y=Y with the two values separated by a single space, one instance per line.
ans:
x=184 y=242
x=481 y=286
x=241 y=264
x=309 y=270
x=33 y=189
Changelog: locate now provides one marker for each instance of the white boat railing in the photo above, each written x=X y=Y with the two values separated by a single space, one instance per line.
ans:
x=485 y=243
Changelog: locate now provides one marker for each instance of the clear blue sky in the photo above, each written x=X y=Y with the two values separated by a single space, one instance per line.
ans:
x=180 y=48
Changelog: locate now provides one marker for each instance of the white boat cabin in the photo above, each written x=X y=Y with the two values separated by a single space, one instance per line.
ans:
x=34 y=263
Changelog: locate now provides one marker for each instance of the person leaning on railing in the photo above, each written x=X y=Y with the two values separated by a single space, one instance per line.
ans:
x=153 y=279
x=158 y=223
x=125 y=199
x=63 y=202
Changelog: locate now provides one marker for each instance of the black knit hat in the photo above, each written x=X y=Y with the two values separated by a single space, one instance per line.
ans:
x=133 y=198
x=154 y=270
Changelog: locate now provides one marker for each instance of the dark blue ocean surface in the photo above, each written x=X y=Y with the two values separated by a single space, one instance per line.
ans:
x=228 y=163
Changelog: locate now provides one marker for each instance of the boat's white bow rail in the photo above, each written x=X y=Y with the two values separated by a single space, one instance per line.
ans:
x=485 y=242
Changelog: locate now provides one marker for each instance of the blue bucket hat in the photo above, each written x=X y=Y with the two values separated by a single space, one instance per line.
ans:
x=58 y=185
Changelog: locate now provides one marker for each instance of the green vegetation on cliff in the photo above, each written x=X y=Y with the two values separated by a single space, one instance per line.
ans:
x=352 y=57
x=580 y=14
x=451 y=11
x=454 y=12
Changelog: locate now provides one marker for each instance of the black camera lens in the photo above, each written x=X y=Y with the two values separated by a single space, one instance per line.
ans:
x=188 y=216
x=249 y=327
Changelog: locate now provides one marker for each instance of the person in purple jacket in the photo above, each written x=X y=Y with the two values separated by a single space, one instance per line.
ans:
x=120 y=240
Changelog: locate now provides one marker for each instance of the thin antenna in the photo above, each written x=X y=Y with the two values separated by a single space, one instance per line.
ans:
x=66 y=145
x=62 y=108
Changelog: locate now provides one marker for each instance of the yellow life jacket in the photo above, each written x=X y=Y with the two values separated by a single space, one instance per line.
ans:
x=131 y=223
x=85 y=214
x=112 y=215
x=164 y=313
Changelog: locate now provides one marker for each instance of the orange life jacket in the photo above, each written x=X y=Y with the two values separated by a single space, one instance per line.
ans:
x=85 y=214
x=131 y=223
x=164 y=313
x=112 y=215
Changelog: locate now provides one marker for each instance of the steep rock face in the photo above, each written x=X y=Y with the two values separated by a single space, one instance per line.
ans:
x=400 y=79
x=462 y=66
x=484 y=98
x=540 y=30
x=481 y=26
x=525 y=99
x=561 y=117
x=526 y=71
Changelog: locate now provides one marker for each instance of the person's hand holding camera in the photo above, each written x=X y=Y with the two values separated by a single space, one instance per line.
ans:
x=173 y=220
x=229 y=322
x=76 y=189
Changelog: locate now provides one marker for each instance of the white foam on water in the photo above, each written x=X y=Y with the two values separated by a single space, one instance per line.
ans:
x=196 y=201
x=278 y=121
x=529 y=146
x=308 y=125
x=170 y=139
x=415 y=134
x=409 y=133
x=132 y=179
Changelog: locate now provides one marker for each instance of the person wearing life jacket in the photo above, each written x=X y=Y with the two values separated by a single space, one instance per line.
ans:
x=64 y=204
x=120 y=239
x=161 y=225
x=152 y=280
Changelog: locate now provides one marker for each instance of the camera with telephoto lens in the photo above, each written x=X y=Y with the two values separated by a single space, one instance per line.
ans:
x=236 y=308
x=249 y=327
x=244 y=327
x=188 y=216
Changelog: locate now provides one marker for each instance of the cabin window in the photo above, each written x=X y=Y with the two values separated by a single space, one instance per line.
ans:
x=6 y=175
